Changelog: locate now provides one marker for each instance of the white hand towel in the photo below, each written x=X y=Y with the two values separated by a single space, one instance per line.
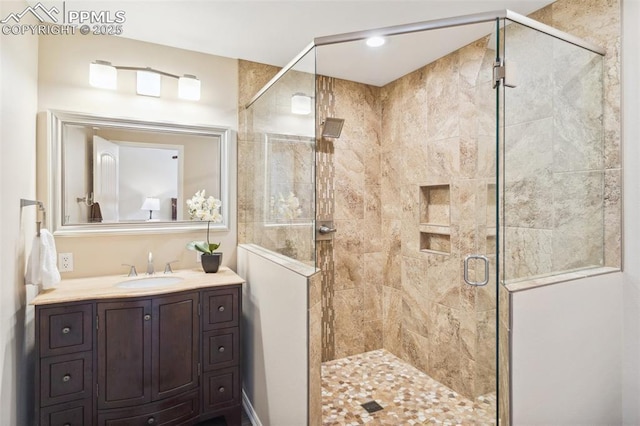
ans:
x=48 y=260
x=42 y=266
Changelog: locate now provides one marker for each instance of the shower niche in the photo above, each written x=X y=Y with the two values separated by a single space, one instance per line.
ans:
x=435 y=219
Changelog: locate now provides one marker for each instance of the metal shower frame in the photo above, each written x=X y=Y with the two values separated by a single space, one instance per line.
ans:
x=476 y=18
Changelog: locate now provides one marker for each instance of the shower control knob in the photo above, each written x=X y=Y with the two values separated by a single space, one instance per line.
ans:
x=326 y=230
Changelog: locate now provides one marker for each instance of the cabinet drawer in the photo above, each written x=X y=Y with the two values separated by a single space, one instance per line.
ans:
x=77 y=413
x=221 y=308
x=172 y=412
x=221 y=348
x=65 y=329
x=221 y=389
x=65 y=378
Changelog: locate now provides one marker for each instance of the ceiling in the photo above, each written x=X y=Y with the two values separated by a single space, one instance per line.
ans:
x=273 y=32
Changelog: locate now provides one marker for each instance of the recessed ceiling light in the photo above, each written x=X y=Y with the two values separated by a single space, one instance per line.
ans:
x=375 y=41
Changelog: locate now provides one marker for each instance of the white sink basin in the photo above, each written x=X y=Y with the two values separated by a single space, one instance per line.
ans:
x=149 y=282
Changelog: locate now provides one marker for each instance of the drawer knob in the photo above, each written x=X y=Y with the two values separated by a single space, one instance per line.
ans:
x=221 y=308
x=151 y=421
x=147 y=317
x=221 y=349
x=66 y=330
x=221 y=389
x=66 y=378
x=67 y=424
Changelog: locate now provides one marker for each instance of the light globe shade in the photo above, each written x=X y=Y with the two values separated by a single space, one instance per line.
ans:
x=103 y=75
x=300 y=104
x=189 y=88
x=148 y=83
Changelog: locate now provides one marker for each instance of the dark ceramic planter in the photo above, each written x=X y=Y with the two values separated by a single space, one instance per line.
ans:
x=211 y=262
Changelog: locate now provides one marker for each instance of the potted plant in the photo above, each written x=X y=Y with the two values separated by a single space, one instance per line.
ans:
x=206 y=208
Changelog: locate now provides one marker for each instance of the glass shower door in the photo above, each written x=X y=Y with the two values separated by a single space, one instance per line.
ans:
x=458 y=228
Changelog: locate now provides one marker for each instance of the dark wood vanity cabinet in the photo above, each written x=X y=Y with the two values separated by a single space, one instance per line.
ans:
x=171 y=359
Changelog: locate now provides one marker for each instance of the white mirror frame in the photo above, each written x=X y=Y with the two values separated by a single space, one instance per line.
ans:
x=55 y=122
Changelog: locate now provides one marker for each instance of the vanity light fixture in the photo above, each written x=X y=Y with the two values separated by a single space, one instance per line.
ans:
x=300 y=104
x=103 y=75
x=148 y=80
x=151 y=204
x=375 y=41
x=148 y=83
x=189 y=87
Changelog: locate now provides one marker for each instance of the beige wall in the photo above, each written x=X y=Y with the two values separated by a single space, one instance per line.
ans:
x=63 y=85
x=18 y=106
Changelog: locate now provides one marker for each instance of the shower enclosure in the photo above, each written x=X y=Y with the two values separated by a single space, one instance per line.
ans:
x=462 y=171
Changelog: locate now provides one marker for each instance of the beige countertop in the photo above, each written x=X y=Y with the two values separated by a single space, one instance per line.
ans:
x=105 y=287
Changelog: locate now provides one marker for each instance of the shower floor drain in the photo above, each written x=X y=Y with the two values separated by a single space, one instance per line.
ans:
x=371 y=406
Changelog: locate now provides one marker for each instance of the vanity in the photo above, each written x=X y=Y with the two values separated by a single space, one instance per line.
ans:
x=122 y=351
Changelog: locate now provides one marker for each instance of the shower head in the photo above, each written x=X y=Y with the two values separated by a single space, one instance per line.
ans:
x=332 y=127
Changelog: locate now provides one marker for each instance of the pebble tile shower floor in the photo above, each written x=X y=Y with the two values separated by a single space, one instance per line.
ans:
x=407 y=395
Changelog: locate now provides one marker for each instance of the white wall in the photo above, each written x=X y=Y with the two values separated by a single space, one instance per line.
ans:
x=275 y=357
x=18 y=106
x=566 y=360
x=63 y=84
x=147 y=172
x=631 y=137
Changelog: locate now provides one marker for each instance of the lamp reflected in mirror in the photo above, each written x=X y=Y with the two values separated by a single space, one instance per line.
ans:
x=151 y=204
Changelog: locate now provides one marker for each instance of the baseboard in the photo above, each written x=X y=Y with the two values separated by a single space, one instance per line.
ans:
x=248 y=408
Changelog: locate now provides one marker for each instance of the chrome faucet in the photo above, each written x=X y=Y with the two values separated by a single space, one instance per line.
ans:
x=132 y=270
x=150 y=270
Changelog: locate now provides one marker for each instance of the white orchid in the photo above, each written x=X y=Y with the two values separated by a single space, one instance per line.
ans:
x=204 y=208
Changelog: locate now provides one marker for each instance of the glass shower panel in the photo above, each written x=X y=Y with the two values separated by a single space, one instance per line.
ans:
x=553 y=159
x=279 y=177
x=411 y=187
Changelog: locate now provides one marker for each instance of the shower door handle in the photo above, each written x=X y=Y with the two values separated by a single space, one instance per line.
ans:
x=484 y=259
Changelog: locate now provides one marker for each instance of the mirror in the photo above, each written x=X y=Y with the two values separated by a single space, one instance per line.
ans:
x=120 y=175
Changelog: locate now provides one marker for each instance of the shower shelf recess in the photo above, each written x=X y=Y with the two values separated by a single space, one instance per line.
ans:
x=435 y=219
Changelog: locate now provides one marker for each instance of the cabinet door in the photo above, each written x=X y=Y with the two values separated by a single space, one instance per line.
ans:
x=221 y=308
x=65 y=378
x=175 y=411
x=65 y=329
x=124 y=353
x=221 y=389
x=176 y=343
x=220 y=348
x=77 y=413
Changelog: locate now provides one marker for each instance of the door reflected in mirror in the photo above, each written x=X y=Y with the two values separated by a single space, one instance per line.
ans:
x=131 y=175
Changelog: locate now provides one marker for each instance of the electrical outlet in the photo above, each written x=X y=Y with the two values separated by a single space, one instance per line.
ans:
x=65 y=262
